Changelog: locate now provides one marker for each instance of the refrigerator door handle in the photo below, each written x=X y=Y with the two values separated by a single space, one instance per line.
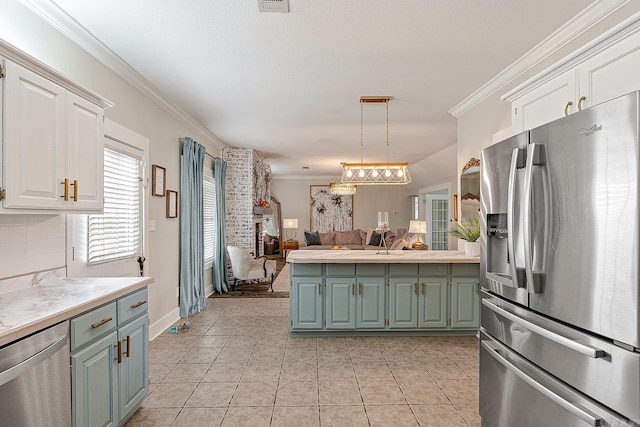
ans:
x=516 y=162
x=592 y=352
x=534 y=279
x=585 y=415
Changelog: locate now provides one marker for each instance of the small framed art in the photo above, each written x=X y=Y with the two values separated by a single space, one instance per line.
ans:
x=158 y=180
x=172 y=204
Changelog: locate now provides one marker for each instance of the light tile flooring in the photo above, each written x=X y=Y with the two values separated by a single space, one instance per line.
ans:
x=238 y=366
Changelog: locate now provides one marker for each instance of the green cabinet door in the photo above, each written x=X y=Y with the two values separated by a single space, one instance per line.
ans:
x=340 y=303
x=403 y=303
x=94 y=384
x=432 y=303
x=306 y=303
x=133 y=372
x=465 y=303
x=370 y=303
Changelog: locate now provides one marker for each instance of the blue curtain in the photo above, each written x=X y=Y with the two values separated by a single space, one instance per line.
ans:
x=220 y=283
x=192 y=289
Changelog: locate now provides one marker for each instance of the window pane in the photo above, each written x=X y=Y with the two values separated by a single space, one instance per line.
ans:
x=116 y=233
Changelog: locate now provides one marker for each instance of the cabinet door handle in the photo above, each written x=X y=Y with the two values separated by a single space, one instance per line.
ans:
x=138 y=304
x=102 y=322
x=353 y=289
x=422 y=288
x=119 y=358
x=359 y=288
x=415 y=287
x=65 y=195
x=128 y=352
x=319 y=289
x=566 y=108
x=582 y=98
x=75 y=190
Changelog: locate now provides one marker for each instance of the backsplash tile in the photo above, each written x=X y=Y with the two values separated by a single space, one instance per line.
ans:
x=30 y=244
x=33 y=279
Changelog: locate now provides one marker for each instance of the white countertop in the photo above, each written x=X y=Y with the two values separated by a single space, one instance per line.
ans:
x=25 y=311
x=371 y=257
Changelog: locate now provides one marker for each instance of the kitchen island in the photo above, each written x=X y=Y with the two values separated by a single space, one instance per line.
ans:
x=348 y=292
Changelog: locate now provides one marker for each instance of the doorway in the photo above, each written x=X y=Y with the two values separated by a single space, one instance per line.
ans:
x=435 y=211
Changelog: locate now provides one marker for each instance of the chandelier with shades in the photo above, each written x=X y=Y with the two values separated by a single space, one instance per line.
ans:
x=374 y=173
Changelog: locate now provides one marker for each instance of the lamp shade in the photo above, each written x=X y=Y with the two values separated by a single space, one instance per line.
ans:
x=290 y=223
x=417 y=226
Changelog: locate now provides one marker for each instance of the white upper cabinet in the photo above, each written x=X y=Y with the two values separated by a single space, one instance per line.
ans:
x=52 y=142
x=602 y=70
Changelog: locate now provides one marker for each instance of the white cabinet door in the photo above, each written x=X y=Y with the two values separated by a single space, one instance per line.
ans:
x=611 y=73
x=546 y=103
x=85 y=151
x=34 y=140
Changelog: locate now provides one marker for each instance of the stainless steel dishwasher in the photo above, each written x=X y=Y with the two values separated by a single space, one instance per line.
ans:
x=35 y=379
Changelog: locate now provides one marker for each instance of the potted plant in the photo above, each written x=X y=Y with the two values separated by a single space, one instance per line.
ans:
x=469 y=231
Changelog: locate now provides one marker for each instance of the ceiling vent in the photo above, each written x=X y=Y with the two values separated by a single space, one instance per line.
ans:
x=274 y=5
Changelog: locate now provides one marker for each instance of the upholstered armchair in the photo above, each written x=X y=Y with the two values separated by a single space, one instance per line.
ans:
x=245 y=267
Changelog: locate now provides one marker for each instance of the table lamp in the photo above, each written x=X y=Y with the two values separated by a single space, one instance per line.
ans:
x=290 y=223
x=417 y=227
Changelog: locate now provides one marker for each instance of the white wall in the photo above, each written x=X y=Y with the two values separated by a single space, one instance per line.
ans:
x=134 y=110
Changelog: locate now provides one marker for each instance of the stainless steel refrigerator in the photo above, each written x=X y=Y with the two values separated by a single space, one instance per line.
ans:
x=560 y=337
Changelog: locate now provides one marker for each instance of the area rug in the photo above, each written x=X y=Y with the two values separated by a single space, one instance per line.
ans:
x=261 y=290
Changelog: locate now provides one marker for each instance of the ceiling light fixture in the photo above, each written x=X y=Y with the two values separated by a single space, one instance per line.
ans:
x=342 y=189
x=374 y=173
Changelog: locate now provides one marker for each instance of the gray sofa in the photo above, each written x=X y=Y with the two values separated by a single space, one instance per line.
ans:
x=355 y=240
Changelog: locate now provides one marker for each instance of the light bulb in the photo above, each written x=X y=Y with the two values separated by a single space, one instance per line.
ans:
x=361 y=173
x=349 y=173
x=400 y=173
x=387 y=173
x=374 y=173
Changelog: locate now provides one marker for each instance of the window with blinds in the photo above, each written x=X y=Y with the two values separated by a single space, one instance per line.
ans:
x=209 y=197
x=116 y=233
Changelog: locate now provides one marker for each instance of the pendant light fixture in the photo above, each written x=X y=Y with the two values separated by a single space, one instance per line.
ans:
x=374 y=173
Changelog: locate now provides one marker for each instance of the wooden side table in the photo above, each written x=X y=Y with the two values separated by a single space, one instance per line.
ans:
x=289 y=245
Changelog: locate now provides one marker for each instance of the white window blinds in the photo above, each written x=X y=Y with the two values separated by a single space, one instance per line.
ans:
x=209 y=199
x=116 y=233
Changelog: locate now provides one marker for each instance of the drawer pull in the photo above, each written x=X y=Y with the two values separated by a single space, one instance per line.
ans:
x=128 y=352
x=102 y=322
x=138 y=304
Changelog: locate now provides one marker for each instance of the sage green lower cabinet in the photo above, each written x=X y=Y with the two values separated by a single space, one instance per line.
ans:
x=110 y=361
x=94 y=384
x=370 y=303
x=403 y=303
x=340 y=307
x=306 y=303
x=432 y=303
x=465 y=303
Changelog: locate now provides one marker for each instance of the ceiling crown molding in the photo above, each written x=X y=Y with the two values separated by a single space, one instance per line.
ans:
x=57 y=18
x=579 y=24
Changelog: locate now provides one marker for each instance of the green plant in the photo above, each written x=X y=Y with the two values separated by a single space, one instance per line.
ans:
x=468 y=229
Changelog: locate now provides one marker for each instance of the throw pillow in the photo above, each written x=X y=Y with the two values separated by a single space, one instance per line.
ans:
x=327 y=238
x=363 y=237
x=312 y=238
x=348 y=238
x=375 y=238
x=399 y=244
x=368 y=238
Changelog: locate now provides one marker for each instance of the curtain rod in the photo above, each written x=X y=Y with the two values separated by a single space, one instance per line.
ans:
x=182 y=139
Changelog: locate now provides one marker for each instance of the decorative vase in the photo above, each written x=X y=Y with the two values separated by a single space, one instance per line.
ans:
x=471 y=248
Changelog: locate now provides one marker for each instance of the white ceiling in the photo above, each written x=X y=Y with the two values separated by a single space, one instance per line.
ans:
x=288 y=84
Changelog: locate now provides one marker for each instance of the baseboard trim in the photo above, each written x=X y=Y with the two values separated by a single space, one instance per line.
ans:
x=157 y=328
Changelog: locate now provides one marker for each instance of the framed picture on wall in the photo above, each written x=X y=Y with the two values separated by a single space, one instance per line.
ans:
x=172 y=204
x=330 y=212
x=158 y=180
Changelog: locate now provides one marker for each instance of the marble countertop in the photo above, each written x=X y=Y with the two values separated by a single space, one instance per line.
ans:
x=25 y=311
x=371 y=257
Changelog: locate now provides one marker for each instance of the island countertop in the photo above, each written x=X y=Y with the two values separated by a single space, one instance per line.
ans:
x=26 y=311
x=372 y=257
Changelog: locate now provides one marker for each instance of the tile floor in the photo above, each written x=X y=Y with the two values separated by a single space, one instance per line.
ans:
x=238 y=366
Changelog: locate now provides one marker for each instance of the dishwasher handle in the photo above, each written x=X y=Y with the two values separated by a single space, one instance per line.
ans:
x=27 y=364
